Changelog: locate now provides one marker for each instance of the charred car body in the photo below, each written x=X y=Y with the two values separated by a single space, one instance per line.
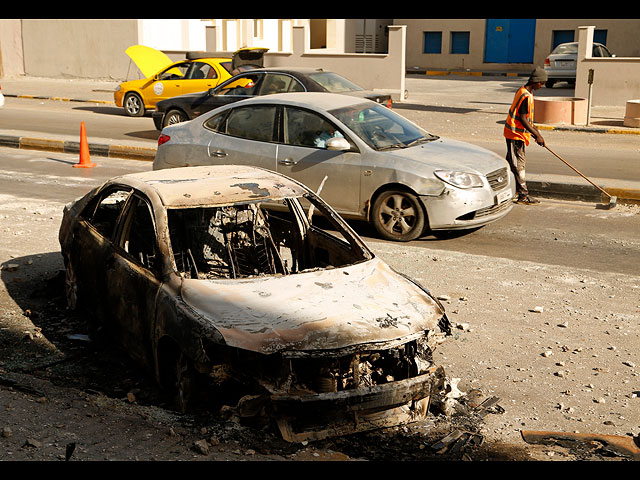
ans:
x=204 y=271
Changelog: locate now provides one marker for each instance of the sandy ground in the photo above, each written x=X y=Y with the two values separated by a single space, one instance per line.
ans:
x=556 y=345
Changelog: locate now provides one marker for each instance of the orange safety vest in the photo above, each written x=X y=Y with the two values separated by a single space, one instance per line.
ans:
x=513 y=128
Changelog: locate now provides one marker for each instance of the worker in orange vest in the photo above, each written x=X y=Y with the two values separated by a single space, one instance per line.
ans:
x=518 y=130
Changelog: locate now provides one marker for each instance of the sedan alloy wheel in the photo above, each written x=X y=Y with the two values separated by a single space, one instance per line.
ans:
x=398 y=215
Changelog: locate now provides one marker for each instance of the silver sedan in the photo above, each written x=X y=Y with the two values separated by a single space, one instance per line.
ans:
x=365 y=160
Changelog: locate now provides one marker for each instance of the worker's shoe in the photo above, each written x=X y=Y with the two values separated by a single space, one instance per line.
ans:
x=527 y=200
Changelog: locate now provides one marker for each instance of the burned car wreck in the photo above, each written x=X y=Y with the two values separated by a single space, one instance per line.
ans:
x=209 y=272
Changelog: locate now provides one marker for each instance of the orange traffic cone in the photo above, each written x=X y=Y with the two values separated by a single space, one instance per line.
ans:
x=85 y=161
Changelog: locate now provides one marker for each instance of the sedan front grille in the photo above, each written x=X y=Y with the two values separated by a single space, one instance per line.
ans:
x=498 y=179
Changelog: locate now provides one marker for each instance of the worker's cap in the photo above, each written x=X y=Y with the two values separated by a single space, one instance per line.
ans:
x=538 y=75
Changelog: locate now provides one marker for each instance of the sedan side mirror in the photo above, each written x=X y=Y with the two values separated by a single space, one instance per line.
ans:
x=338 y=143
x=211 y=92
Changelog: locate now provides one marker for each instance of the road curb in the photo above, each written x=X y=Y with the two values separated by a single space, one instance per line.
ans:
x=67 y=146
x=59 y=99
x=589 y=129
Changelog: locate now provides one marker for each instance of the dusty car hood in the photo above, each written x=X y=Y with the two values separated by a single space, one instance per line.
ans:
x=447 y=154
x=148 y=60
x=316 y=310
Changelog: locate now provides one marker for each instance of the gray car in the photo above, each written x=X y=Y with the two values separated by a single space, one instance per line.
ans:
x=364 y=159
x=561 y=64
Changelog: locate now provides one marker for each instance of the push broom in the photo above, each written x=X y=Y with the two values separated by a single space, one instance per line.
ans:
x=612 y=199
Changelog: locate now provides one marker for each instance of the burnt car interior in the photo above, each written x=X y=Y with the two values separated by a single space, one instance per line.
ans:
x=244 y=240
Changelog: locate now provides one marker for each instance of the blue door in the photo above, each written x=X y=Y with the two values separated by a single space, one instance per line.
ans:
x=509 y=40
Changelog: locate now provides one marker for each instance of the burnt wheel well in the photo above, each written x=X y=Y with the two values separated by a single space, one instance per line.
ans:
x=167 y=353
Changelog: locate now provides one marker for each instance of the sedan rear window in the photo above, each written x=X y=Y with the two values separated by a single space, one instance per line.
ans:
x=252 y=123
x=566 y=48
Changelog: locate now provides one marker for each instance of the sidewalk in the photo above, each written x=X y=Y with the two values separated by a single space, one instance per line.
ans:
x=605 y=120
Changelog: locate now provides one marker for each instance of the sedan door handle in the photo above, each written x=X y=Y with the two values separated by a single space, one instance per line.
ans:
x=288 y=161
x=219 y=154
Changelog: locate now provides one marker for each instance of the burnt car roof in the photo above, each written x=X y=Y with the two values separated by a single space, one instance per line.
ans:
x=212 y=185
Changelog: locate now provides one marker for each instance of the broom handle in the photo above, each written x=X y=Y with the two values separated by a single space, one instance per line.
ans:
x=576 y=170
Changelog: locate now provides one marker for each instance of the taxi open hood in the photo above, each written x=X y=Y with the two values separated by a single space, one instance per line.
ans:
x=364 y=303
x=149 y=60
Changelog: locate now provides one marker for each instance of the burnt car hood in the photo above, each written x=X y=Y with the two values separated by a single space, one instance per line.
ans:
x=365 y=303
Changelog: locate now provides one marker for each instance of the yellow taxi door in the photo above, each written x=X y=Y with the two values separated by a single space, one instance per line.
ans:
x=201 y=77
x=167 y=84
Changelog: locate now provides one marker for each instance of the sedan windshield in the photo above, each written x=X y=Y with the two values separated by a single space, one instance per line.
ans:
x=381 y=128
x=333 y=82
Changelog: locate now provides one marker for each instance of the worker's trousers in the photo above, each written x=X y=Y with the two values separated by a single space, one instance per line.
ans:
x=517 y=161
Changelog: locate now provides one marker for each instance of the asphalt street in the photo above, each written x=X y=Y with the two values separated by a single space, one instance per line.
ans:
x=440 y=96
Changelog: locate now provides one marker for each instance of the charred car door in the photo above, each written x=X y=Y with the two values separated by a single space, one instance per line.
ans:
x=91 y=246
x=134 y=277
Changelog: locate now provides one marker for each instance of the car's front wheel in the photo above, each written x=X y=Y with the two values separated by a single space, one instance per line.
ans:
x=133 y=105
x=398 y=215
x=172 y=117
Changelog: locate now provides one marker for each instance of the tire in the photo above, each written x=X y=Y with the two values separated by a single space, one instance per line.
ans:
x=133 y=105
x=398 y=215
x=172 y=117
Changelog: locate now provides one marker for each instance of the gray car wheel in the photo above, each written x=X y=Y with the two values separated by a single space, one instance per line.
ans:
x=398 y=215
x=133 y=105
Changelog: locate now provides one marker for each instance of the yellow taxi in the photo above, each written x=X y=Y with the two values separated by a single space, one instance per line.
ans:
x=166 y=78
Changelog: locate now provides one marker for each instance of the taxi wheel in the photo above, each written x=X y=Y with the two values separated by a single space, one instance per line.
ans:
x=398 y=215
x=133 y=105
x=172 y=117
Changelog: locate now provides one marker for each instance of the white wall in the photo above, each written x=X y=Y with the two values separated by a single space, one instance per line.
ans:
x=173 y=34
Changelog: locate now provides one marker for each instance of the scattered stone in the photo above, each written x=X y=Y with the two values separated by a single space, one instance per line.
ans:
x=547 y=353
x=11 y=267
x=463 y=326
x=131 y=398
x=444 y=298
x=537 y=310
x=201 y=446
x=564 y=324
x=7 y=432
x=629 y=364
x=32 y=443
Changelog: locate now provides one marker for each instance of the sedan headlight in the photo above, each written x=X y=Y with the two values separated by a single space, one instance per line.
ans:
x=460 y=179
x=118 y=88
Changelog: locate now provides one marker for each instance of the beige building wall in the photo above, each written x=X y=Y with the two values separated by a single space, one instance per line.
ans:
x=11 y=57
x=623 y=39
x=78 y=48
